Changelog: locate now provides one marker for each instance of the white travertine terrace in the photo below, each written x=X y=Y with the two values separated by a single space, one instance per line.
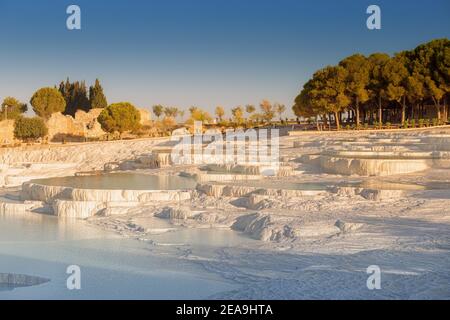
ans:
x=228 y=195
x=83 y=203
x=380 y=155
x=217 y=177
x=11 y=208
x=260 y=169
x=76 y=209
x=18 y=165
x=39 y=192
x=219 y=190
x=371 y=167
x=15 y=174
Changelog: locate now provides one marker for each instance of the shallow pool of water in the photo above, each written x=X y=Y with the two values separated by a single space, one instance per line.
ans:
x=122 y=181
x=8 y=287
x=325 y=185
x=112 y=267
x=302 y=186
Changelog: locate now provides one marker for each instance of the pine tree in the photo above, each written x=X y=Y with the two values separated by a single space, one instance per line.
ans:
x=357 y=67
x=120 y=117
x=47 y=101
x=419 y=77
x=12 y=108
x=378 y=84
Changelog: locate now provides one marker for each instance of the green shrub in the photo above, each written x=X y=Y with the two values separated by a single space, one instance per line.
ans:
x=413 y=123
x=119 y=117
x=405 y=124
x=421 y=123
x=388 y=125
x=366 y=126
x=435 y=122
x=30 y=129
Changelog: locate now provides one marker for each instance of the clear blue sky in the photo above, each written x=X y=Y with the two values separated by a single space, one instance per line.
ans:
x=199 y=52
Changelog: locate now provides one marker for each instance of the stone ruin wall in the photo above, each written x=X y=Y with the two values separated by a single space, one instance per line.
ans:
x=64 y=127
x=83 y=125
x=6 y=132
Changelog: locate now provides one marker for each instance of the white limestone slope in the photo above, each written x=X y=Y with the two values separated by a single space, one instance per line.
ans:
x=23 y=164
x=296 y=243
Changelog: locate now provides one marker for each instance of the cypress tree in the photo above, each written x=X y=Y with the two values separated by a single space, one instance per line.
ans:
x=97 y=98
x=75 y=95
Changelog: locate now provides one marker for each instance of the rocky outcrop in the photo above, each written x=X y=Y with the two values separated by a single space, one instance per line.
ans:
x=349 y=192
x=180 y=213
x=259 y=202
x=379 y=195
x=209 y=218
x=347 y=227
x=211 y=190
x=154 y=160
x=20 y=280
x=261 y=227
x=368 y=194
